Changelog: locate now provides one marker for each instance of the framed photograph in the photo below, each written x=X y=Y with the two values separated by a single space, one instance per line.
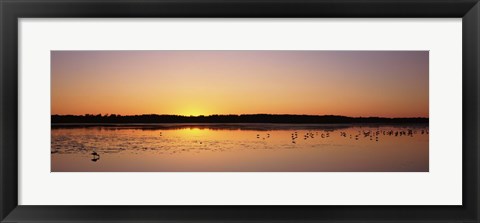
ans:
x=228 y=111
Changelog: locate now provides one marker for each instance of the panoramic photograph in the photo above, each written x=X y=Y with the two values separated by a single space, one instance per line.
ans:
x=239 y=111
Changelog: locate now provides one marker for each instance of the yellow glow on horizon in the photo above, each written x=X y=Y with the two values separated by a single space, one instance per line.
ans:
x=191 y=111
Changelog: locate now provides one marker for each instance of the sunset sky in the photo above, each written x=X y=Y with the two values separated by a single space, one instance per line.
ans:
x=350 y=83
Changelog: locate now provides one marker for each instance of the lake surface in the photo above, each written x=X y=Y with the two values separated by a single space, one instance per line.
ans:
x=240 y=148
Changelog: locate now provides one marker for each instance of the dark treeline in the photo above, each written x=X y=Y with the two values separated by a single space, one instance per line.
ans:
x=254 y=118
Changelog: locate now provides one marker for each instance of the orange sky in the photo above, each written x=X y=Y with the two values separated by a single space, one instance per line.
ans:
x=351 y=83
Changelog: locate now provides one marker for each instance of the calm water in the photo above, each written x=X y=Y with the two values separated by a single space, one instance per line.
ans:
x=240 y=148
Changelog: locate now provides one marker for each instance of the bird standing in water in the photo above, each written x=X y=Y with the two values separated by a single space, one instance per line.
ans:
x=95 y=155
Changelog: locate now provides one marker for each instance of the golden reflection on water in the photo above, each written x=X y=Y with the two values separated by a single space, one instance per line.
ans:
x=240 y=148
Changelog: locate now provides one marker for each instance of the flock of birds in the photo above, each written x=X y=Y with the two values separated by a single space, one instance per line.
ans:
x=309 y=135
x=371 y=134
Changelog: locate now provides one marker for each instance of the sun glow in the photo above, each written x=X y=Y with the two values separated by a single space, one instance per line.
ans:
x=192 y=112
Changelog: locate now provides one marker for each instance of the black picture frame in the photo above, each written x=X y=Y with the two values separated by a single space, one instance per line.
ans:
x=12 y=10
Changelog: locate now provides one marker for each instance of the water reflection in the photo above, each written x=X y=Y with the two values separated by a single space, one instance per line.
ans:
x=240 y=148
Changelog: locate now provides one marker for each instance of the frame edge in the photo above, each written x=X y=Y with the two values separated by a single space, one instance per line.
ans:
x=9 y=106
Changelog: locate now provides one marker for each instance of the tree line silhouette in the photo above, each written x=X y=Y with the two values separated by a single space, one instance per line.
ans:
x=246 y=118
